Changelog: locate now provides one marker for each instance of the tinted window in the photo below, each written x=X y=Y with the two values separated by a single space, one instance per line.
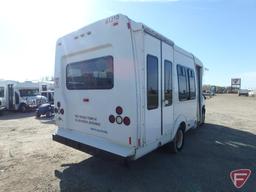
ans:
x=168 y=82
x=182 y=82
x=1 y=91
x=152 y=82
x=91 y=74
x=192 y=86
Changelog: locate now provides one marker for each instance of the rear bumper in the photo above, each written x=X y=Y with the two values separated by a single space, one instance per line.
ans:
x=90 y=144
x=80 y=146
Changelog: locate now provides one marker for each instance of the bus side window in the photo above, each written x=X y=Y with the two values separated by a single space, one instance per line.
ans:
x=182 y=83
x=152 y=82
x=168 y=82
x=192 y=86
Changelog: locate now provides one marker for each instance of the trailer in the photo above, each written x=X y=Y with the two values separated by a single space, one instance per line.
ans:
x=20 y=96
x=124 y=89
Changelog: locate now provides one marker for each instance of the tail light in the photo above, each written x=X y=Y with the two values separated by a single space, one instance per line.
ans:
x=62 y=111
x=111 y=118
x=127 y=121
x=119 y=119
x=119 y=110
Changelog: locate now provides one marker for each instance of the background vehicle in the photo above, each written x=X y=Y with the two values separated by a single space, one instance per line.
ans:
x=45 y=109
x=123 y=88
x=2 y=107
x=49 y=95
x=21 y=96
x=45 y=86
x=243 y=92
x=252 y=93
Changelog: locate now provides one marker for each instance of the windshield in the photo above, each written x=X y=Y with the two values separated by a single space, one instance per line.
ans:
x=29 y=92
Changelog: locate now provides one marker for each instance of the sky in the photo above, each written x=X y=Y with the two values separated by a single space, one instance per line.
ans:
x=221 y=33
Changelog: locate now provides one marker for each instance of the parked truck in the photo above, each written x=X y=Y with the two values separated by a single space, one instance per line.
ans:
x=125 y=89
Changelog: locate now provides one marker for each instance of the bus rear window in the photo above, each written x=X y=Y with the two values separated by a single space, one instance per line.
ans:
x=90 y=74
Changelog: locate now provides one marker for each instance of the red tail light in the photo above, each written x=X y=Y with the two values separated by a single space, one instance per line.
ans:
x=62 y=111
x=85 y=99
x=111 y=118
x=119 y=110
x=127 y=121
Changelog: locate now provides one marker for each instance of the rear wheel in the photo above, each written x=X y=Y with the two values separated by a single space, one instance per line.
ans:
x=48 y=114
x=38 y=115
x=23 y=108
x=177 y=144
x=203 y=116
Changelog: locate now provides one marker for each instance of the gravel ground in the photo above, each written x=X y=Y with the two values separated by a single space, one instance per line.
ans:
x=31 y=161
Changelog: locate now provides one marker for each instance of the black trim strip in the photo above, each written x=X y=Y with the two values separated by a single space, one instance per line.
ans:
x=161 y=84
x=83 y=147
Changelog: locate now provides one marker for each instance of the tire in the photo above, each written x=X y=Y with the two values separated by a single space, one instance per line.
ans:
x=38 y=115
x=48 y=114
x=203 y=116
x=177 y=144
x=23 y=108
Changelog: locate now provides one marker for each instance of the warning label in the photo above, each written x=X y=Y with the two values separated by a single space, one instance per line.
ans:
x=87 y=119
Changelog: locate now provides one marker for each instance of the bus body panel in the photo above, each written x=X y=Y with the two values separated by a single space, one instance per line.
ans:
x=87 y=110
x=155 y=112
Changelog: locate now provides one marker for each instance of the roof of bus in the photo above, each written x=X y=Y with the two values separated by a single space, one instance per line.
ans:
x=137 y=26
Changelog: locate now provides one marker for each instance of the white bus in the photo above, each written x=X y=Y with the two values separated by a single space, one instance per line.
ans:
x=124 y=89
x=20 y=96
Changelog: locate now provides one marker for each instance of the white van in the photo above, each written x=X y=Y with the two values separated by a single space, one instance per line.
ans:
x=122 y=88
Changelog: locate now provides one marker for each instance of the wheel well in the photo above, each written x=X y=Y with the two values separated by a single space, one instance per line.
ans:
x=22 y=104
x=183 y=126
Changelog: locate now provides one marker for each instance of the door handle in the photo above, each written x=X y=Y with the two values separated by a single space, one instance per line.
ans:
x=166 y=102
